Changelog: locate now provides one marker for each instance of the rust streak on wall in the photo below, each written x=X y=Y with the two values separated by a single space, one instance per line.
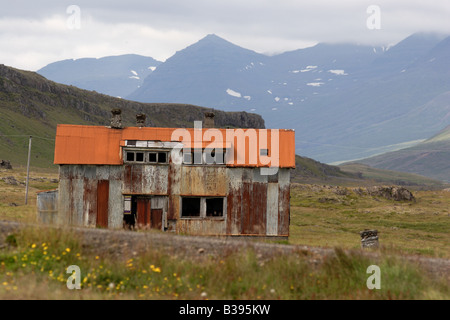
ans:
x=136 y=179
x=259 y=207
x=90 y=201
x=284 y=210
x=127 y=182
x=246 y=212
x=234 y=200
x=171 y=181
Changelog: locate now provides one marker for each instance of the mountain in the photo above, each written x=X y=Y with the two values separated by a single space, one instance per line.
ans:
x=205 y=71
x=407 y=52
x=429 y=158
x=345 y=101
x=33 y=105
x=116 y=76
x=310 y=171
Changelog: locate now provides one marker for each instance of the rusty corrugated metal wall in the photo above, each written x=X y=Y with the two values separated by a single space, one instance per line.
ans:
x=79 y=194
x=254 y=204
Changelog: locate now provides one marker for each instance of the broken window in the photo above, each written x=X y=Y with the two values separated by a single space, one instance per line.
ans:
x=190 y=207
x=162 y=157
x=139 y=157
x=127 y=205
x=152 y=157
x=202 y=207
x=130 y=156
x=131 y=142
x=206 y=156
x=198 y=157
x=214 y=207
x=209 y=156
x=187 y=158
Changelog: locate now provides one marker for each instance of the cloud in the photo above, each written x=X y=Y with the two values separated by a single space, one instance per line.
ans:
x=33 y=34
x=32 y=44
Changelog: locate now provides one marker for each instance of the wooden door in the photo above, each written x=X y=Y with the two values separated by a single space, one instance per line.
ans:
x=143 y=212
x=102 y=203
x=156 y=219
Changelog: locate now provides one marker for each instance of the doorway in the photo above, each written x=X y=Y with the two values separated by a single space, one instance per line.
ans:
x=139 y=214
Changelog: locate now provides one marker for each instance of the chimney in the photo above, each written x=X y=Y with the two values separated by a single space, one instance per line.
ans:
x=116 y=120
x=208 y=121
x=140 y=120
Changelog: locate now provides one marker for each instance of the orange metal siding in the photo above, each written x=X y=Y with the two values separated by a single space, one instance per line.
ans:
x=76 y=144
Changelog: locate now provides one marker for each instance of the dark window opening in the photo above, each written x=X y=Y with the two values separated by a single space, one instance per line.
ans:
x=142 y=157
x=190 y=207
x=130 y=156
x=264 y=152
x=214 y=207
x=139 y=156
x=162 y=157
x=131 y=142
x=152 y=157
x=129 y=216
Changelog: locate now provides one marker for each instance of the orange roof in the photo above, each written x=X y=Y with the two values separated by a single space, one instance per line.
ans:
x=97 y=145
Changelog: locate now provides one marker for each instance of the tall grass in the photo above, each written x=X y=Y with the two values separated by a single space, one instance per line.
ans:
x=33 y=265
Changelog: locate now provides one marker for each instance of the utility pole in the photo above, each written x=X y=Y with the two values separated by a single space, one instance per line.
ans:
x=28 y=170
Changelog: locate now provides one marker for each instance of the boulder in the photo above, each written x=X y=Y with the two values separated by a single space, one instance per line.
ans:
x=5 y=164
x=392 y=193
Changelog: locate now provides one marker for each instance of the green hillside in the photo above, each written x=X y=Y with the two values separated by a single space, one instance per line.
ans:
x=309 y=171
x=33 y=105
x=429 y=158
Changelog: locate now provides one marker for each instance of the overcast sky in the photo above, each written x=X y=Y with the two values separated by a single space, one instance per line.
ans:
x=35 y=33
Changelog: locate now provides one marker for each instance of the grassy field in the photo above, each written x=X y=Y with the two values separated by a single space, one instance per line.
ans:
x=34 y=267
x=329 y=217
x=33 y=263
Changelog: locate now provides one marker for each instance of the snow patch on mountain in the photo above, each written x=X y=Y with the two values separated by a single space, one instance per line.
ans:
x=233 y=93
x=308 y=68
x=315 y=84
x=338 y=72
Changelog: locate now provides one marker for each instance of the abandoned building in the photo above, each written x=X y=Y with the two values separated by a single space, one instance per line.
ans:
x=147 y=177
